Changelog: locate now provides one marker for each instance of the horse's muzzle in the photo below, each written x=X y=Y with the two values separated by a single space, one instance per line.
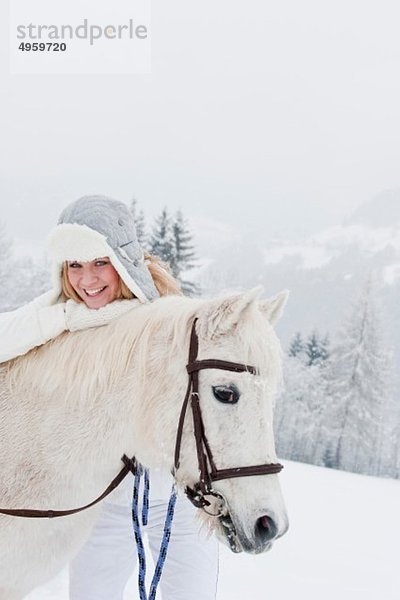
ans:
x=266 y=530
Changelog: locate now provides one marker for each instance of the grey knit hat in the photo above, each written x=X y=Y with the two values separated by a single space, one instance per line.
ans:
x=96 y=226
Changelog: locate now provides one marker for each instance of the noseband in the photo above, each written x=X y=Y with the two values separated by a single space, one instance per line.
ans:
x=207 y=468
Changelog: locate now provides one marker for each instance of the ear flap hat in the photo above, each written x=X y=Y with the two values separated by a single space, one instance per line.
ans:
x=97 y=226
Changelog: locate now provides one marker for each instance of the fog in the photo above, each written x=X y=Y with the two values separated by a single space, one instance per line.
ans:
x=280 y=118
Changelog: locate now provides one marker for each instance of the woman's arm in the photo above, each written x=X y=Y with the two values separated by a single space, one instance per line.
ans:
x=29 y=326
x=39 y=321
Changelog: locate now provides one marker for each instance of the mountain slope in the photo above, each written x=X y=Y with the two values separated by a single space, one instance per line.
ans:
x=324 y=272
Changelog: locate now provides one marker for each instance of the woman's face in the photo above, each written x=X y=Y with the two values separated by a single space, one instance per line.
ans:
x=96 y=282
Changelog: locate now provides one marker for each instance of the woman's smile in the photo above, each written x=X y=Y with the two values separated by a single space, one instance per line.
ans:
x=94 y=292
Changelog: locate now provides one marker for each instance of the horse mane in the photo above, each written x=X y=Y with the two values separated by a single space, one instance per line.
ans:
x=102 y=352
x=63 y=364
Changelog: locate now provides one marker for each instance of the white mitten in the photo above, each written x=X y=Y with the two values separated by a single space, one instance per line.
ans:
x=79 y=316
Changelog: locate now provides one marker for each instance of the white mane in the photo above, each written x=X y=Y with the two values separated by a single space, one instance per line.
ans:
x=105 y=352
x=102 y=352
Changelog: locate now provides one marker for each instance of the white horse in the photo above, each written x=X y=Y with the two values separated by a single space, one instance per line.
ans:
x=70 y=409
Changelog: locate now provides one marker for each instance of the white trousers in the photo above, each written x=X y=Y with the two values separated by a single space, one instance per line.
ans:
x=103 y=566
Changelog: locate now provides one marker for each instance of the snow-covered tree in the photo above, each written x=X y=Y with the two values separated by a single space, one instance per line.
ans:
x=316 y=349
x=21 y=279
x=171 y=241
x=301 y=403
x=28 y=279
x=289 y=408
x=388 y=458
x=162 y=240
x=296 y=345
x=299 y=408
x=354 y=428
x=184 y=254
x=140 y=223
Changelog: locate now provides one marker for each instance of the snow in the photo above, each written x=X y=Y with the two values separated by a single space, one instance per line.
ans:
x=311 y=255
x=211 y=235
x=391 y=273
x=342 y=544
x=36 y=249
x=319 y=250
x=370 y=239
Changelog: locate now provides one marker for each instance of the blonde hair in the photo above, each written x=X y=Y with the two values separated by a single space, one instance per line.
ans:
x=160 y=272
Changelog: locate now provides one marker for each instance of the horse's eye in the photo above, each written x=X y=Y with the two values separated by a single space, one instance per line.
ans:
x=226 y=394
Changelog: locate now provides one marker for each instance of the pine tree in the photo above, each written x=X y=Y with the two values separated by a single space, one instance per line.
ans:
x=354 y=427
x=171 y=241
x=324 y=348
x=298 y=410
x=21 y=279
x=289 y=409
x=140 y=223
x=184 y=254
x=29 y=279
x=296 y=345
x=162 y=239
x=316 y=349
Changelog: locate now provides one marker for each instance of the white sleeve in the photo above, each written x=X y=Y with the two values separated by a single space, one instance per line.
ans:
x=30 y=326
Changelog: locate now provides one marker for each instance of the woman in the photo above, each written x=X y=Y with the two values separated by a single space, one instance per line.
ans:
x=100 y=272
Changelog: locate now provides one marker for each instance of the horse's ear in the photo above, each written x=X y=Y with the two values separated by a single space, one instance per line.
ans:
x=222 y=315
x=272 y=308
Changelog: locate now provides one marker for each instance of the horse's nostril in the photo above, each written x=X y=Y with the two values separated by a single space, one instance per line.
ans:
x=266 y=529
x=264 y=522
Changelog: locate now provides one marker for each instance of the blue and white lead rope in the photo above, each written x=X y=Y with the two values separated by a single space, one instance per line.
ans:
x=138 y=536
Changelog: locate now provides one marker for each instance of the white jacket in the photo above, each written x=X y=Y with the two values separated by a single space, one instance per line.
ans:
x=45 y=318
x=31 y=325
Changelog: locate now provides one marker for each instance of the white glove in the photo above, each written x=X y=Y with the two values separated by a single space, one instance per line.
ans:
x=79 y=316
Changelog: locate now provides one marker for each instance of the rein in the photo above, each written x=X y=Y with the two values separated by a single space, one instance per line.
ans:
x=129 y=466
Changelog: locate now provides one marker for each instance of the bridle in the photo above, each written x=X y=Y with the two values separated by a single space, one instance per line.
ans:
x=207 y=468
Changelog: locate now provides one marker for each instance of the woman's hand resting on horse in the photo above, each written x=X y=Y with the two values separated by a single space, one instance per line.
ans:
x=78 y=316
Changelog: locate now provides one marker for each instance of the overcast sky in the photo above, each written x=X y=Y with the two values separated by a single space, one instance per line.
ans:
x=278 y=116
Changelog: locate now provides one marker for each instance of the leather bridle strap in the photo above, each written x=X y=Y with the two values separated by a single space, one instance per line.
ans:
x=207 y=468
x=129 y=466
x=213 y=363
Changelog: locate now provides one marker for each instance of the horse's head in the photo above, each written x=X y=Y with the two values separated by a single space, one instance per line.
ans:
x=236 y=421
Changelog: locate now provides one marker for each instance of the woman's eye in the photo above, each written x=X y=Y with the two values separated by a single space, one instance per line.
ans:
x=74 y=265
x=101 y=263
x=226 y=394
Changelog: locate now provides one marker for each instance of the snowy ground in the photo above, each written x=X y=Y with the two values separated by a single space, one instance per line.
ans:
x=343 y=544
